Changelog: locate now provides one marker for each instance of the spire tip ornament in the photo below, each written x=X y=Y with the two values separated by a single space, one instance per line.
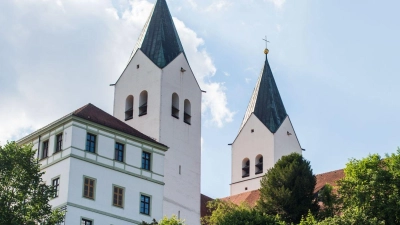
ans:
x=266 y=51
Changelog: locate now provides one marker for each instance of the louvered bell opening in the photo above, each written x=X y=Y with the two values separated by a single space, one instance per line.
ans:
x=143 y=109
x=187 y=118
x=175 y=112
x=246 y=170
x=129 y=114
x=259 y=166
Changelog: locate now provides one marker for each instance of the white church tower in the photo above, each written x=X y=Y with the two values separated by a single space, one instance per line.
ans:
x=158 y=95
x=266 y=134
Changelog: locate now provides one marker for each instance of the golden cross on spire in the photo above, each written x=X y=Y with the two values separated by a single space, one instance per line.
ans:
x=266 y=51
x=266 y=42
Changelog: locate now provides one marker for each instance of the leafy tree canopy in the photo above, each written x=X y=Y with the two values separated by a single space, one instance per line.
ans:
x=24 y=196
x=166 y=221
x=287 y=189
x=227 y=213
x=372 y=185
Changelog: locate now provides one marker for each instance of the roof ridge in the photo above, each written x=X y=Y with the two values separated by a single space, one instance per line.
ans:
x=329 y=172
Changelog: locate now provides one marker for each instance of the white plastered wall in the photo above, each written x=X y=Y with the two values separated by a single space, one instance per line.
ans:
x=181 y=191
x=132 y=82
x=249 y=144
x=286 y=144
x=261 y=141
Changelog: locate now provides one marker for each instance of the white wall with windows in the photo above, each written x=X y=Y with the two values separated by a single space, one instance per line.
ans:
x=73 y=163
x=173 y=118
x=257 y=144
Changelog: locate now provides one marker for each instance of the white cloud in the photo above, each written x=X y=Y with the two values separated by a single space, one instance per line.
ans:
x=226 y=74
x=278 y=3
x=247 y=80
x=215 y=103
x=218 y=5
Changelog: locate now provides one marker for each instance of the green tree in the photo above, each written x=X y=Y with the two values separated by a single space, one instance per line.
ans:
x=287 y=189
x=330 y=202
x=372 y=185
x=166 y=221
x=353 y=216
x=24 y=196
x=227 y=213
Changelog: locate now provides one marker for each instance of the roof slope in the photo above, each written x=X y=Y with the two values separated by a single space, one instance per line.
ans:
x=159 y=39
x=93 y=114
x=266 y=102
x=251 y=197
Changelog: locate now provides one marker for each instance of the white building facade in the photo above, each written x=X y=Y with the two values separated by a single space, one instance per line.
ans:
x=158 y=94
x=266 y=134
x=101 y=169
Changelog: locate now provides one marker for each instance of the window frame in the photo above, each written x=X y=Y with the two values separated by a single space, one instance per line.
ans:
x=94 y=142
x=58 y=146
x=47 y=149
x=87 y=220
x=123 y=196
x=140 y=203
x=149 y=163
x=123 y=152
x=57 y=194
x=94 y=188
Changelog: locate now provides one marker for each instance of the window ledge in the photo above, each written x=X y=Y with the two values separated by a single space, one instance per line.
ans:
x=128 y=119
x=145 y=214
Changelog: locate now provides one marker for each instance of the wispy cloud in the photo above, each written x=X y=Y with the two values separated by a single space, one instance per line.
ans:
x=219 y=5
x=278 y=3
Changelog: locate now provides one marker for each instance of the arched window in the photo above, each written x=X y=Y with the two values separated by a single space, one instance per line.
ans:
x=143 y=103
x=175 y=105
x=259 y=164
x=245 y=167
x=129 y=108
x=187 y=113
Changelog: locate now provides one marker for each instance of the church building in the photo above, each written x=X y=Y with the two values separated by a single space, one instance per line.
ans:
x=144 y=161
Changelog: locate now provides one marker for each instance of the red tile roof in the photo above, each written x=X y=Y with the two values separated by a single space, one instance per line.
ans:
x=93 y=114
x=251 y=197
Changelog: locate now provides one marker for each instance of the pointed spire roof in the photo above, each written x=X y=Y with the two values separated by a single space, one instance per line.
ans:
x=266 y=102
x=159 y=39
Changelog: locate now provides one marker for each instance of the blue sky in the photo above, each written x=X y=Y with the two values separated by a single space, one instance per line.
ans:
x=335 y=63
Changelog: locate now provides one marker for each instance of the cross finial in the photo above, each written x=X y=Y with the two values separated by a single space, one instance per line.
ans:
x=266 y=42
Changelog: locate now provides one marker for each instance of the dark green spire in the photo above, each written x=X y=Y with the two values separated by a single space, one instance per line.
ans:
x=266 y=102
x=161 y=42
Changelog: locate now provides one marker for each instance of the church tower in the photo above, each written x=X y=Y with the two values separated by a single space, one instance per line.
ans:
x=158 y=95
x=266 y=134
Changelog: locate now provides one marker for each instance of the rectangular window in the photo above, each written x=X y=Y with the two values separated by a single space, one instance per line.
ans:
x=56 y=186
x=91 y=143
x=88 y=188
x=45 y=149
x=146 y=157
x=59 y=139
x=86 y=222
x=118 y=197
x=119 y=152
x=145 y=204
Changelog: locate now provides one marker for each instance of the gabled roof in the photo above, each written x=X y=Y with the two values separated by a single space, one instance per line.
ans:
x=93 y=114
x=266 y=102
x=159 y=39
x=251 y=197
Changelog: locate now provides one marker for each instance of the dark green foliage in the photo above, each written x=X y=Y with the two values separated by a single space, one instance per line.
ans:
x=23 y=194
x=372 y=185
x=287 y=189
x=227 y=213
x=330 y=202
